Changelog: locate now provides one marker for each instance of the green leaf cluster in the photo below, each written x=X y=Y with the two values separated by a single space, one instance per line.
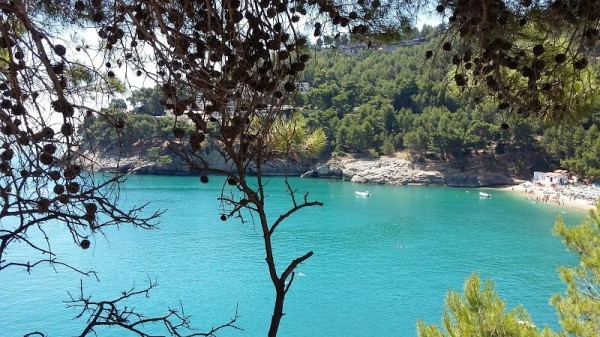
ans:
x=479 y=311
x=579 y=306
x=293 y=137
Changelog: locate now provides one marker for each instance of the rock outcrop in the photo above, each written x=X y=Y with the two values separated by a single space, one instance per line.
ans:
x=395 y=171
x=388 y=171
x=384 y=171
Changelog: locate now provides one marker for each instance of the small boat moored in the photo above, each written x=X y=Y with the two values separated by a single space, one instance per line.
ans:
x=485 y=195
x=362 y=193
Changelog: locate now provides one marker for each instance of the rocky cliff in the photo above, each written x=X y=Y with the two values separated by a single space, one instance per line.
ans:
x=385 y=170
x=395 y=171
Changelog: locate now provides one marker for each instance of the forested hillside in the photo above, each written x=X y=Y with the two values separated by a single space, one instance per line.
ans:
x=387 y=98
x=379 y=99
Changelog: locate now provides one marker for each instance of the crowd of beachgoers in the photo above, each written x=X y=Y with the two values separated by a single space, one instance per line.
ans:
x=576 y=195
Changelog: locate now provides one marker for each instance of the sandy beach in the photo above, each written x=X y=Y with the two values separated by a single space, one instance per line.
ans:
x=572 y=197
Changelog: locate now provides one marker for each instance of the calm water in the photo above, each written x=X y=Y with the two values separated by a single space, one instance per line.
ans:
x=380 y=263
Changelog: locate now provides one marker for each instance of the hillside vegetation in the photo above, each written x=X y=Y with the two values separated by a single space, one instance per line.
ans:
x=383 y=99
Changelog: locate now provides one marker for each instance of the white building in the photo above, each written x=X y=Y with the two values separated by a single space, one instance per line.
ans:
x=303 y=87
x=559 y=177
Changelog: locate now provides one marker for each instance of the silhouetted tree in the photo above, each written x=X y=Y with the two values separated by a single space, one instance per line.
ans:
x=48 y=87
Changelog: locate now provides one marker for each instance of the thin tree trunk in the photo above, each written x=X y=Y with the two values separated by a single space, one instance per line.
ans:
x=277 y=311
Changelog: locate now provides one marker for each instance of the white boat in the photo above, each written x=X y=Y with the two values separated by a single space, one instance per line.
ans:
x=362 y=193
x=485 y=195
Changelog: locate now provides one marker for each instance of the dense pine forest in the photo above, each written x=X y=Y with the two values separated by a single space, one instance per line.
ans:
x=376 y=99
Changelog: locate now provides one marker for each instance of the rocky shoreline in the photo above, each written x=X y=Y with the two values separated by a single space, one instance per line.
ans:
x=386 y=171
x=396 y=171
x=383 y=171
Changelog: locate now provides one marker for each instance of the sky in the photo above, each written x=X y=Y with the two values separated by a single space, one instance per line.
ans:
x=430 y=18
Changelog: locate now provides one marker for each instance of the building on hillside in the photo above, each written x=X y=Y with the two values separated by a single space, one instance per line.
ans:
x=303 y=87
x=353 y=49
x=415 y=42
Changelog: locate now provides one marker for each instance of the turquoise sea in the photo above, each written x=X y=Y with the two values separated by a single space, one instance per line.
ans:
x=380 y=262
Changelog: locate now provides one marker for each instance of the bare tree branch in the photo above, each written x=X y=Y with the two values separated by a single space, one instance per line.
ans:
x=35 y=333
x=295 y=264
x=116 y=313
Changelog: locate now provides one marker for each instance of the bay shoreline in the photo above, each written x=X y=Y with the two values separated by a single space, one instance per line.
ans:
x=382 y=171
x=535 y=194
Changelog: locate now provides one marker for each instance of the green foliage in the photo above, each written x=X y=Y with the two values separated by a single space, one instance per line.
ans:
x=294 y=137
x=479 y=311
x=520 y=167
x=114 y=85
x=80 y=75
x=118 y=103
x=364 y=100
x=536 y=57
x=417 y=140
x=579 y=306
x=575 y=146
x=561 y=141
x=315 y=143
x=388 y=148
x=147 y=101
x=481 y=134
x=586 y=159
x=373 y=154
x=157 y=155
